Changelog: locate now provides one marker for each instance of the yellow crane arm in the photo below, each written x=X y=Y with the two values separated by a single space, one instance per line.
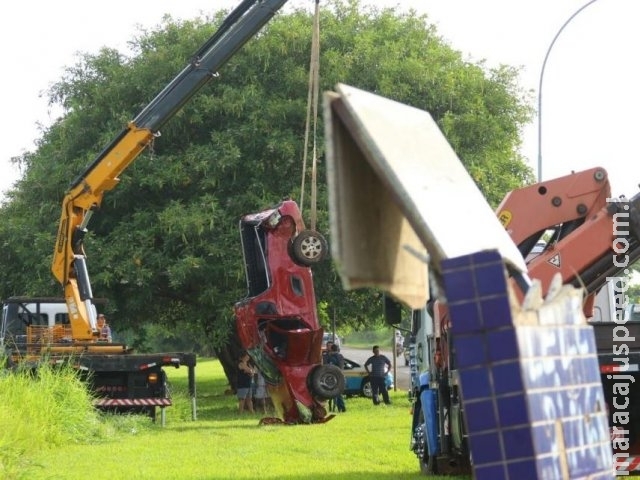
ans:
x=79 y=203
x=86 y=192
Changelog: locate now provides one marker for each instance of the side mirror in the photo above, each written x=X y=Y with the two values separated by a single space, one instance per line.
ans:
x=392 y=311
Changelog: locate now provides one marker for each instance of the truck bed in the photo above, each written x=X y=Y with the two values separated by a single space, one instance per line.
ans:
x=141 y=361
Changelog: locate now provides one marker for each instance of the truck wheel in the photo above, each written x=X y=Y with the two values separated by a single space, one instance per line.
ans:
x=327 y=381
x=428 y=463
x=366 y=390
x=428 y=466
x=309 y=248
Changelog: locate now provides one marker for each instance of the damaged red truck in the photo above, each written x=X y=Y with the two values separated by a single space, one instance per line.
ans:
x=277 y=321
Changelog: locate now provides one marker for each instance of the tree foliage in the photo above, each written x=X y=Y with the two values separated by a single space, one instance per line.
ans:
x=164 y=247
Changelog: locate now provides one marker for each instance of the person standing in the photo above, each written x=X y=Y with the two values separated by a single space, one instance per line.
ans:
x=336 y=358
x=326 y=352
x=244 y=385
x=260 y=394
x=377 y=366
x=105 y=329
x=399 y=343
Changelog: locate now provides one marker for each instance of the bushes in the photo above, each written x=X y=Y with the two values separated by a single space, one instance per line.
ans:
x=368 y=338
x=41 y=408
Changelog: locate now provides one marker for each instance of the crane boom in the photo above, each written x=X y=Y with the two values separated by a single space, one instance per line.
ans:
x=86 y=191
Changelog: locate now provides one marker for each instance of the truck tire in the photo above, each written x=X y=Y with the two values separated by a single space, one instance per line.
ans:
x=428 y=466
x=327 y=381
x=309 y=248
x=428 y=463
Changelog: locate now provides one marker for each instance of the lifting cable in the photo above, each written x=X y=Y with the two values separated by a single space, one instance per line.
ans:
x=312 y=110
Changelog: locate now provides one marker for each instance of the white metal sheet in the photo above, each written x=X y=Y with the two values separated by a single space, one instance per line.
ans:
x=409 y=170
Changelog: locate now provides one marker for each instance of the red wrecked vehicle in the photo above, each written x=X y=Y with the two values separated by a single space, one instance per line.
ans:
x=277 y=322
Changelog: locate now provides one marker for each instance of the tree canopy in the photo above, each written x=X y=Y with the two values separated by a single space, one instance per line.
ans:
x=164 y=247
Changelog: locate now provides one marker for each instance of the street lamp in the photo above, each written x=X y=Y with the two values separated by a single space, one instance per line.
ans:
x=544 y=64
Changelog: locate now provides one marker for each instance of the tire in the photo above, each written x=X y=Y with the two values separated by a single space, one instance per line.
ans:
x=327 y=381
x=366 y=390
x=428 y=464
x=309 y=248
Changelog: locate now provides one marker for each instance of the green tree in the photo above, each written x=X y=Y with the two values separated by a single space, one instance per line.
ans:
x=634 y=293
x=164 y=247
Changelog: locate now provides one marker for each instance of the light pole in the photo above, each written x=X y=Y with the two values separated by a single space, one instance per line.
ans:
x=544 y=64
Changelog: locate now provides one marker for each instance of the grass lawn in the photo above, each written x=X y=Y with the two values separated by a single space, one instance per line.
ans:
x=366 y=442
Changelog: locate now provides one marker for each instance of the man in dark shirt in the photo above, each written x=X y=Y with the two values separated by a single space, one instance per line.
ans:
x=377 y=366
x=326 y=352
x=336 y=358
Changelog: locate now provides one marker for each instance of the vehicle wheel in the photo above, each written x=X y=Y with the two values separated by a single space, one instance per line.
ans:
x=428 y=466
x=327 y=381
x=366 y=389
x=428 y=463
x=309 y=247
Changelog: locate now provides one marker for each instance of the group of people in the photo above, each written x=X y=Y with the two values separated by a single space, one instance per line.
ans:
x=252 y=393
x=251 y=388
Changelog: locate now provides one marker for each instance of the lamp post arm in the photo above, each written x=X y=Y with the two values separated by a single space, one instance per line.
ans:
x=544 y=64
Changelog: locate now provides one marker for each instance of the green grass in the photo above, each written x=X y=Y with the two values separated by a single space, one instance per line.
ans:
x=40 y=410
x=363 y=443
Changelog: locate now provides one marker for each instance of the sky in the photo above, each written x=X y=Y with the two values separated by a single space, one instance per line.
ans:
x=590 y=97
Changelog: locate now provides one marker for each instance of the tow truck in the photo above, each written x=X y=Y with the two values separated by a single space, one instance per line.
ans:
x=572 y=226
x=390 y=168
x=66 y=329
